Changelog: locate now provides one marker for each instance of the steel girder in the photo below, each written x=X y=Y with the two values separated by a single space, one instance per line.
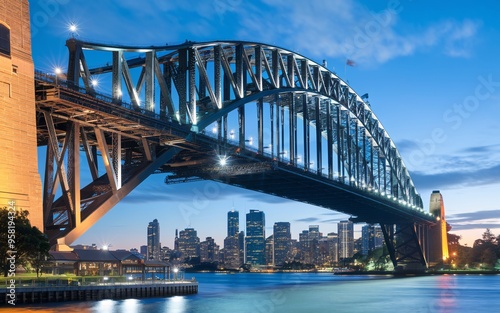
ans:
x=131 y=145
x=407 y=246
x=201 y=82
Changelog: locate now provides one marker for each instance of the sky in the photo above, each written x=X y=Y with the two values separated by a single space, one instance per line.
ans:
x=430 y=68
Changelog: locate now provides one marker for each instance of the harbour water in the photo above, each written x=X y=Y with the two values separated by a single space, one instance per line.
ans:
x=310 y=293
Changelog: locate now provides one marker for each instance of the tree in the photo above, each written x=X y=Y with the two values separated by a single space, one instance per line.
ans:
x=21 y=244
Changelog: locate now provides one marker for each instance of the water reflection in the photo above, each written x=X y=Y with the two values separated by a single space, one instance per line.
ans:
x=176 y=304
x=107 y=306
x=130 y=306
x=446 y=301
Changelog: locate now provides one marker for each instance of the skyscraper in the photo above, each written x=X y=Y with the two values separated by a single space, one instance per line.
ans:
x=189 y=243
x=233 y=223
x=372 y=238
x=346 y=239
x=209 y=250
x=282 y=238
x=154 y=240
x=255 y=240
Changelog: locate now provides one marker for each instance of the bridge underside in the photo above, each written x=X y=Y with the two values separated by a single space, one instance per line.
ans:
x=255 y=172
x=404 y=238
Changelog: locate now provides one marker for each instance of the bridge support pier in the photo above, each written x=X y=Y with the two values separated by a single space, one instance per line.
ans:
x=405 y=242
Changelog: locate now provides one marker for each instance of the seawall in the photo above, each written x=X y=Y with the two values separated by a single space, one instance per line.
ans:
x=28 y=295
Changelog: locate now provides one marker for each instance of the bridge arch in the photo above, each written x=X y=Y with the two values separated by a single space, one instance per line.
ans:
x=199 y=84
x=163 y=103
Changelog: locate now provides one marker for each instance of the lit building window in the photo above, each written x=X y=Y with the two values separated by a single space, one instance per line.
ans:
x=4 y=40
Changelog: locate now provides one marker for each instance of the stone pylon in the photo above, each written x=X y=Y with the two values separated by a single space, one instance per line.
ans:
x=20 y=182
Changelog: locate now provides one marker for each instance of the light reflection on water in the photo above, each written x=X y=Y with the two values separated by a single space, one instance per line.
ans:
x=305 y=292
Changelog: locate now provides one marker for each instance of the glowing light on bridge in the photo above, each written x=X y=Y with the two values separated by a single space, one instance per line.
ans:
x=73 y=29
x=223 y=160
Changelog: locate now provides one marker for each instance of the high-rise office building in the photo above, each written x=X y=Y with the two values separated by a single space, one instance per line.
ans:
x=282 y=239
x=233 y=223
x=255 y=240
x=209 y=250
x=269 y=250
x=232 y=256
x=154 y=240
x=189 y=243
x=346 y=239
x=372 y=238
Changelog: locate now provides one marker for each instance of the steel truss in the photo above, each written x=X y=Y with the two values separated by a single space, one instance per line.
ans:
x=407 y=245
x=305 y=115
x=201 y=83
x=70 y=124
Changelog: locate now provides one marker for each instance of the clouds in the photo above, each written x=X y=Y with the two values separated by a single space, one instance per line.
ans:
x=474 y=220
x=347 y=29
x=318 y=28
x=468 y=167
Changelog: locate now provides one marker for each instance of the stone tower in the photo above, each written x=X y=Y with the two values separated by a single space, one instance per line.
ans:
x=19 y=178
x=438 y=233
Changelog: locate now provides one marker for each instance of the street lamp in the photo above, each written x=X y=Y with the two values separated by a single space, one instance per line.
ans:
x=176 y=270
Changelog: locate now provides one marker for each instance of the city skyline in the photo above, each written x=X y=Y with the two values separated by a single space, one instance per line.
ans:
x=432 y=79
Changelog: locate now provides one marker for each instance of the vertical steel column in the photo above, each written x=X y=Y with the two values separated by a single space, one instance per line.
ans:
x=117 y=77
x=305 y=112
x=356 y=151
x=340 y=153
x=240 y=70
x=167 y=77
x=293 y=129
x=241 y=124
x=370 y=178
x=202 y=89
x=220 y=143
x=282 y=124
x=73 y=73
x=271 y=122
x=73 y=130
x=192 y=86
x=224 y=126
x=150 y=81
x=329 y=138
x=258 y=66
x=217 y=75
x=278 y=139
x=349 y=148
x=319 y=139
x=275 y=68
x=117 y=158
x=291 y=70
x=260 y=125
x=182 y=84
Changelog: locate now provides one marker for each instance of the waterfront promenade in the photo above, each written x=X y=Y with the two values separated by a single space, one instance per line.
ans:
x=58 y=292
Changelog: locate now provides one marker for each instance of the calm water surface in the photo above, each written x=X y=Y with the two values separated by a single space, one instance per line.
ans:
x=308 y=292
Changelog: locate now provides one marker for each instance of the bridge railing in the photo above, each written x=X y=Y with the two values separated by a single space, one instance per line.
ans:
x=104 y=103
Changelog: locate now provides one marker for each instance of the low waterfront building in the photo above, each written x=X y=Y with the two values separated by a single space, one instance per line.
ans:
x=103 y=263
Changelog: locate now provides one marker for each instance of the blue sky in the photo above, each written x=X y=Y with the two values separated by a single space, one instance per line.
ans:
x=431 y=70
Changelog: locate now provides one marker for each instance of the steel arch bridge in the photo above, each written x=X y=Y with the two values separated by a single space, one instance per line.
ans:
x=247 y=114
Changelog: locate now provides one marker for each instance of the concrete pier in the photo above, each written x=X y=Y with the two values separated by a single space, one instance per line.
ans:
x=27 y=295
